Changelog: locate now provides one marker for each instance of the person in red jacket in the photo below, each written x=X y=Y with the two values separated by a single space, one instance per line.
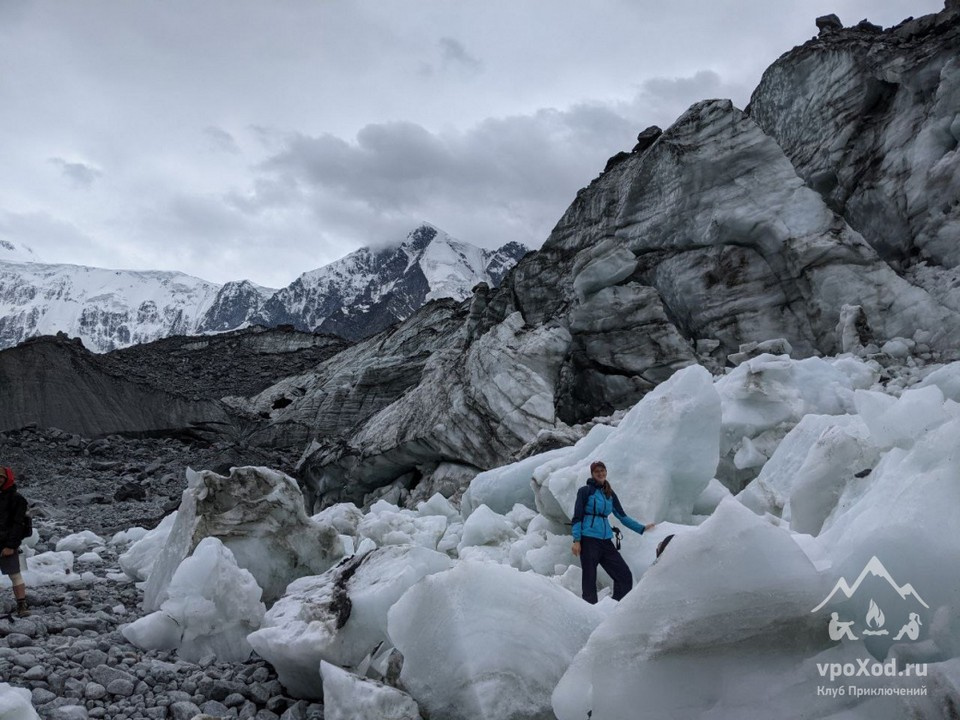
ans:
x=13 y=525
x=592 y=534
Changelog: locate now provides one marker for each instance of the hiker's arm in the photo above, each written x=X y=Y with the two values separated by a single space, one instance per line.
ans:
x=578 y=510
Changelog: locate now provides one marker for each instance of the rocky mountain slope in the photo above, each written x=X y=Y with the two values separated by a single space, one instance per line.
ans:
x=353 y=297
x=706 y=237
x=708 y=241
x=171 y=387
x=870 y=121
x=705 y=244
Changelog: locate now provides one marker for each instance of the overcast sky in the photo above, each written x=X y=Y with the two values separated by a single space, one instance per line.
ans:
x=234 y=139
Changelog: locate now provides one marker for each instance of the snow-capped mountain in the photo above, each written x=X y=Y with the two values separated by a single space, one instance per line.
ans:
x=369 y=290
x=356 y=296
x=16 y=252
x=106 y=309
x=235 y=304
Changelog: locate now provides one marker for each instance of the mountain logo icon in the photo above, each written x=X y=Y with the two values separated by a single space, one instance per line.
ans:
x=873 y=567
x=839 y=629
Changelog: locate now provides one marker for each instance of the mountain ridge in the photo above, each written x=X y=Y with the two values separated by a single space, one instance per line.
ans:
x=874 y=568
x=354 y=297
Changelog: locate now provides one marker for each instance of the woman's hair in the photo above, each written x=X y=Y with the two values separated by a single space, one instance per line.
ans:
x=598 y=465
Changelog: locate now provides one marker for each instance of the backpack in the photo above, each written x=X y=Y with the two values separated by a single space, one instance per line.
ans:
x=21 y=510
x=27 y=524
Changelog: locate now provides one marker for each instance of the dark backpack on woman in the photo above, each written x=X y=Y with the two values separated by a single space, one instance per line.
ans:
x=26 y=526
x=20 y=508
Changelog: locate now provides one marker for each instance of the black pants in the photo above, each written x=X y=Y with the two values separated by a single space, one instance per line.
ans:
x=595 y=552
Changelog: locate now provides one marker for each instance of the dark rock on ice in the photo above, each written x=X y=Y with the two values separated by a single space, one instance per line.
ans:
x=828 y=23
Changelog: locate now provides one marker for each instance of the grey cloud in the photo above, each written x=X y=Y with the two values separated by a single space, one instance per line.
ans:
x=13 y=10
x=661 y=100
x=265 y=193
x=221 y=140
x=48 y=236
x=510 y=176
x=198 y=217
x=514 y=174
x=78 y=173
x=454 y=58
x=538 y=157
x=221 y=237
x=702 y=84
x=454 y=54
x=270 y=139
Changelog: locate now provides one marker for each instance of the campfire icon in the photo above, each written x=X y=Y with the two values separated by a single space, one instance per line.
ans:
x=875 y=619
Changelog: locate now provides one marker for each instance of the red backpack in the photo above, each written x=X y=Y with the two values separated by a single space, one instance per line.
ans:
x=8 y=477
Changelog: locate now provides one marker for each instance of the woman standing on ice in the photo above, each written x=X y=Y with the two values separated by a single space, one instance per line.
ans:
x=592 y=534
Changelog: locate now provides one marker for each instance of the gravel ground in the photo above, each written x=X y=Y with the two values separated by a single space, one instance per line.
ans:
x=70 y=653
x=114 y=483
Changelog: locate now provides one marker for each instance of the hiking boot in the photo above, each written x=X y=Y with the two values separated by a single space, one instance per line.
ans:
x=23 y=610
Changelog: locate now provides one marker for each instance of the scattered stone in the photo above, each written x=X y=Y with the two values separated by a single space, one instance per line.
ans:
x=37 y=672
x=121 y=686
x=234 y=700
x=297 y=711
x=93 y=658
x=130 y=491
x=76 y=663
x=647 y=138
x=41 y=696
x=277 y=704
x=104 y=674
x=828 y=23
x=18 y=640
x=94 y=691
x=183 y=711
x=217 y=709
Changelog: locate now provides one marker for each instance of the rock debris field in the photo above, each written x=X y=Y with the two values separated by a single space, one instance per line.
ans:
x=72 y=658
x=69 y=654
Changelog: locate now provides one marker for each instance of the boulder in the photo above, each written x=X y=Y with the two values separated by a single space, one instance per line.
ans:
x=211 y=607
x=877 y=139
x=828 y=23
x=339 y=616
x=259 y=515
x=646 y=138
x=506 y=638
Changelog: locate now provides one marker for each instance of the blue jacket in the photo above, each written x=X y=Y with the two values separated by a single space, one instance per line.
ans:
x=591 y=511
